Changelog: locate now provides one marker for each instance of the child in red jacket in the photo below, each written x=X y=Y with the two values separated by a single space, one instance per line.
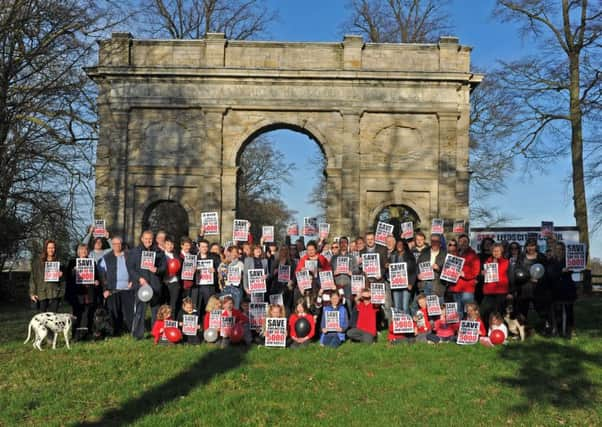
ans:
x=239 y=320
x=158 y=331
x=445 y=332
x=365 y=330
x=301 y=312
x=421 y=319
x=472 y=313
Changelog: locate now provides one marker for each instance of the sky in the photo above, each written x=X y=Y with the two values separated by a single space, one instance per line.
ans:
x=528 y=199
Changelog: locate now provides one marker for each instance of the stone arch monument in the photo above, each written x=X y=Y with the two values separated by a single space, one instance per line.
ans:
x=391 y=119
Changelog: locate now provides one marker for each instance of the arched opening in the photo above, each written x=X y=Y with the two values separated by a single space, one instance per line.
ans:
x=281 y=179
x=166 y=215
x=396 y=215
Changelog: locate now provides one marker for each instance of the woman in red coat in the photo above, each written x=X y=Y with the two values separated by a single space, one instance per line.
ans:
x=301 y=311
x=495 y=291
x=463 y=290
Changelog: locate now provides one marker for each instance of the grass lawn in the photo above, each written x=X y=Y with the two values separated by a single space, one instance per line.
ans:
x=122 y=381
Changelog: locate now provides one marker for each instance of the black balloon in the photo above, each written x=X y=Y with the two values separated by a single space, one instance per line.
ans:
x=521 y=275
x=302 y=327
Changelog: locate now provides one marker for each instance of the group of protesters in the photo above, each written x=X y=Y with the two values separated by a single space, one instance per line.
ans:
x=119 y=275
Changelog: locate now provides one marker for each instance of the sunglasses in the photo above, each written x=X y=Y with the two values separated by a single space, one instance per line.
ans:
x=452 y=244
x=334 y=247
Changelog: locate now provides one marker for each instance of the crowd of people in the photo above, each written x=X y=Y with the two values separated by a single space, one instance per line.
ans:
x=119 y=275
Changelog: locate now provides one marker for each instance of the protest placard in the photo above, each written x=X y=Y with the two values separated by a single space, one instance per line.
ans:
x=267 y=233
x=100 y=228
x=240 y=230
x=358 y=257
x=468 y=332
x=227 y=326
x=205 y=272
x=575 y=254
x=210 y=223
x=284 y=273
x=276 y=299
x=190 y=324
x=324 y=230
x=358 y=283
x=84 y=271
x=437 y=226
x=426 y=270
x=188 y=267
x=383 y=230
x=398 y=275
x=257 y=281
x=459 y=226
x=310 y=226
x=257 y=314
x=292 y=230
x=452 y=267
x=52 y=270
x=421 y=321
x=327 y=280
x=215 y=319
x=377 y=293
x=234 y=275
x=332 y=322
x=491 y=272
x=371 y=265
x=451 y=312
x=257 y=297
x=147 y=260
x=343 y=266
x=275 y=332
x=407 y=230
x=402 y=322
x=432 y=305
x=303 y=280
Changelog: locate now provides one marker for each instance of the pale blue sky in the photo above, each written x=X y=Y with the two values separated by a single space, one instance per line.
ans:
x=528 y=199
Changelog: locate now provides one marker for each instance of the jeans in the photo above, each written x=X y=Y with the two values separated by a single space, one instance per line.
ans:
x=236 y=294
x=121 y=308
x=462 y=298
x=331 y=339
x=401 y=300
x=358 y=335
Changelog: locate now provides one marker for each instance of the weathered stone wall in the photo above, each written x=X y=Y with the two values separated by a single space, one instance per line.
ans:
x=392 y=121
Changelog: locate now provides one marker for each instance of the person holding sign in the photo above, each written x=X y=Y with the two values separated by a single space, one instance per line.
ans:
x=158 y=330
x=171 y=279
x=301 y=312
x=230 y=275
x=188 y=321
x=473 y=314
x=343 y=265
x=435 y=256
x=240 y=320
x=82 y=291
x=257 y=261
x=463 y=290
x=200 y=294
x=495 y=289
x=314 y=262
x=444 y=332
x=187 y=267
x=46 y=284
x=334 y=323
x=144 y=271
x=365 y=330
x=98 y=245
x=281 y=277
x=372 y=248
x=401 y=297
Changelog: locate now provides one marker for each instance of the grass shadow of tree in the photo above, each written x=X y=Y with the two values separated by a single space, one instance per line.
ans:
x=210 y=365
x=551 y=373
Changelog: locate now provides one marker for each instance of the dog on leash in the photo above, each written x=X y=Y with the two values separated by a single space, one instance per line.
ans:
x=103 y=325
x=517 y=324
x=56 y=323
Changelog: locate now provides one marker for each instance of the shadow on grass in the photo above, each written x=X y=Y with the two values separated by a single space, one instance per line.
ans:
x=552 y=374
x=210 y=365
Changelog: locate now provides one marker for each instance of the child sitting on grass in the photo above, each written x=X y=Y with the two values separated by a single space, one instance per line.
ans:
x=334 y=338
x=212 y=304
x=421 y=319
x=445 y=332
x=365 y=331
x=301 y=312
x=158 y=330
x=188 y=309
x=496 y=322
x=473 y=314
x=239 y=320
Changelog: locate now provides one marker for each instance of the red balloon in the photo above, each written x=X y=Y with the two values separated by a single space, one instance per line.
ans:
x=173 y=335
x=497 y=337
x=237 y=333
x=173 y=266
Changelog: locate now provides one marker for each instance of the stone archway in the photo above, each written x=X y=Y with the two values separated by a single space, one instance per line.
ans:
x=392 y=120
x=167 y=215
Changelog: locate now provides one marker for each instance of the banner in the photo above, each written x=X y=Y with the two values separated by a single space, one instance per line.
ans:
x=284 y=273
x=492 y=274
x=358 y=283
x=451 y=312
x=398 y=275
x=377 y=293
x=292 y=230
x=190 y=323
x=547 y=228
x=257 y=281
x=520 y=235
x=257 y=314
x=227 y=326
x=276 y=299
x=84 y=271
x=459 y=227
x=327 y=280
x=383 y=230
x=275 y=332
x=147 y=260
x=267 y=233
x=437 y=226
x=240 y=230
x=205 y=274
x=303 y=280
x=575 y=256
x=468 y=332
x=324 y=230
x=452 y=267
x=234 y=275
x=210 y=223
x=407 y=230
x=402 y=323
x=215 y=319
x=343 y=266
x=188 y=267
x=310 y=226
x=432 y=305
x=100 y=228
x=332 y=322
x=371 y=265
x=426 y=270
x=52 y=270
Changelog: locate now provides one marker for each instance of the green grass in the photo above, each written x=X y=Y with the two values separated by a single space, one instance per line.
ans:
x=122 y=381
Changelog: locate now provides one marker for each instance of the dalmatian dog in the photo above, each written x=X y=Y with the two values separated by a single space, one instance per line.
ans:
x=56 y=323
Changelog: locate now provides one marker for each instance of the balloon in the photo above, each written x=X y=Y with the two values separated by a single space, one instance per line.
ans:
x=173 y=266
x=302 y=327
x=210 y=335
x=521 y=275
x=173 y=334
x=145 y=293
x=497 y=337
x=537 y=271
x=237 y=333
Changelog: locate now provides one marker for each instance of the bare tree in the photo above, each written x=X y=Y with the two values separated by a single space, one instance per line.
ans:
x=398 y=21
x=193 y=19
x=553 y=93
x=318 y=195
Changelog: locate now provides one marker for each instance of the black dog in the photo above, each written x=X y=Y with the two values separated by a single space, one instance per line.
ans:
x=103 y=324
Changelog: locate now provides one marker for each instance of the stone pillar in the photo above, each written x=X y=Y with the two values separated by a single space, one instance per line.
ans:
x=448 y=54
x=350 y=190
x=462 y=163
x=228 y=205
x=211 y=148
x=448 y=134
x=334 y=201
x=352 y=52
x=215 y=53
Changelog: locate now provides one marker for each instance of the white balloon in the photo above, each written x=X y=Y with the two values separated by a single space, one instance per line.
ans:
x=537 y=271
x=145 y=293
x=210 y=335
